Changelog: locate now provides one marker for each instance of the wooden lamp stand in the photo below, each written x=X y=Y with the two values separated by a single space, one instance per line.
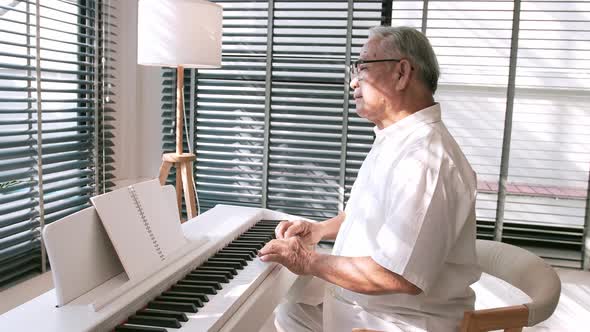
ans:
x=182 y=161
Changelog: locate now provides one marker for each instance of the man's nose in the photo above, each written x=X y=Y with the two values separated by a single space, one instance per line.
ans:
x=354 y=83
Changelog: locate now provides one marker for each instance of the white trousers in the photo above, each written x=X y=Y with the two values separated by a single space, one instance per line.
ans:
x=331 y=315
x=295 y=317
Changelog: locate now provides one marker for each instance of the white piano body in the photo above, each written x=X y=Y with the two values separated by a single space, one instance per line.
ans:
x=242 y=305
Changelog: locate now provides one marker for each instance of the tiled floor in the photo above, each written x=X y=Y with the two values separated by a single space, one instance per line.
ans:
x=573 y=311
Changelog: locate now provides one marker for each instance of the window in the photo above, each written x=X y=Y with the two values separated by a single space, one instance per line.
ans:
x=275 y=126
x=55 y=120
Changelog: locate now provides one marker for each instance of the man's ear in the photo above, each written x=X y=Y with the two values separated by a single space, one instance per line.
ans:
x=403 y=74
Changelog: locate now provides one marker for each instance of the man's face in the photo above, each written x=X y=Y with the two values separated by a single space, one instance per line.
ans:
x=373 y=85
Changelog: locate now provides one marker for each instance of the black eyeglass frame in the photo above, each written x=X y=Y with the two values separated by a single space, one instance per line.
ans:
x=354 y=66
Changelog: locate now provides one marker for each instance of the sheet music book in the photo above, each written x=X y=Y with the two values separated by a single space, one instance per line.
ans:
x=144 y=230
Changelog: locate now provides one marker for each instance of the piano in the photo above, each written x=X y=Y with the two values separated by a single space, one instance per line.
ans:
x=217 y=285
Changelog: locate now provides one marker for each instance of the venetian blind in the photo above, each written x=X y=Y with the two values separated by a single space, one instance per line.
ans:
x=56 y=100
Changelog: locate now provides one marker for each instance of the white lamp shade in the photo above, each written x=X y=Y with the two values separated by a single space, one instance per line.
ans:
x=179 y=33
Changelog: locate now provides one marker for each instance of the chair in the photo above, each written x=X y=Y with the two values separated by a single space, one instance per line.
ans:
x=523 y=270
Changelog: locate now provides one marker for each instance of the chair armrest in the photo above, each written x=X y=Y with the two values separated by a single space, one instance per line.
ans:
x=495 y=319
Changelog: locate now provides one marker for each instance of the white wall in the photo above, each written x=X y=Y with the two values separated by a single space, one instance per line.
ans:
x=138 y=129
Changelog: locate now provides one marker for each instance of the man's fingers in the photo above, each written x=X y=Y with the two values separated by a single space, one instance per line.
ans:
x=281 y=228
x=272 y=251
x=294 y=230
x=272 y=247
x=267 y=249
x=272 y=258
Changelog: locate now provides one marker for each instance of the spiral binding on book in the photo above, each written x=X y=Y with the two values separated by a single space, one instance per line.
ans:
x=145 y=221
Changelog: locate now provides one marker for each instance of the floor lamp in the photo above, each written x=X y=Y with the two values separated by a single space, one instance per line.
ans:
x=179 y=34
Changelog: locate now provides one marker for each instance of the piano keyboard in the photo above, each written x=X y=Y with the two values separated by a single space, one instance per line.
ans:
x=204 y=285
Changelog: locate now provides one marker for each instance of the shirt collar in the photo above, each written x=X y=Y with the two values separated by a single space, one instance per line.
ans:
x=406 y=125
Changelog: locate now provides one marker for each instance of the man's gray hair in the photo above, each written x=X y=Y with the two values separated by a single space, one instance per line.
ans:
x=411 y=44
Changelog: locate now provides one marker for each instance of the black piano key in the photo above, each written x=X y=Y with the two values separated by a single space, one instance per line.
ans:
x=224 y=273
x=249 y=251
x=194 y=300
x=244 y=245
x=190 y=282
x=269 y=222
x=237 y=250
x=221 y=256
x=255 y=237
x=207 y=277
x=131 y=328
x=174 y=306
x=196 y=289
x=233 y=255
x=241 y=261
x=154 y=321
x=258 y=240
x=269 y=228
x=256 y=243
x=217 y=268
x=218 y=264
x=244 y=251
x=259 y=243
x=234 y=252
x=265 y=224
x=180 y=316
x=260 y=232
x=201 y=296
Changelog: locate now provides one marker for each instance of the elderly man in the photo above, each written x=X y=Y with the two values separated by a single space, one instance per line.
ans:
x=404 y=256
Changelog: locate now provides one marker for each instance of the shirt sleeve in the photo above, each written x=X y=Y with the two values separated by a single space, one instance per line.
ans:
x=421 y=226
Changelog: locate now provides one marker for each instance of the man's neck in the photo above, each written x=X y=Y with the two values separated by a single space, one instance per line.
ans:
x=403 y=110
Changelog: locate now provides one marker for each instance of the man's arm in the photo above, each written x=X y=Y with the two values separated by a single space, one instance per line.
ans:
x=329 y=228
x=310 y=232
x=358 y=274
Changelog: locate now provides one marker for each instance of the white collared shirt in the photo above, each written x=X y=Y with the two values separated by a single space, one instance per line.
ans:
x=412 y=209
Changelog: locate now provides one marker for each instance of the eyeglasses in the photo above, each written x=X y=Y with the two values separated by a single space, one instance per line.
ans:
x=355 y=66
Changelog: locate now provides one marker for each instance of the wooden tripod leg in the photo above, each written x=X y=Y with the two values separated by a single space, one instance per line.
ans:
x=188 y=186
x=179 y=188
x=184 y=179
x=164 y=171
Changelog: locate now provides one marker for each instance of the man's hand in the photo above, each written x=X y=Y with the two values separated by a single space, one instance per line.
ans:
x=309 y=233
x=290 y=253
